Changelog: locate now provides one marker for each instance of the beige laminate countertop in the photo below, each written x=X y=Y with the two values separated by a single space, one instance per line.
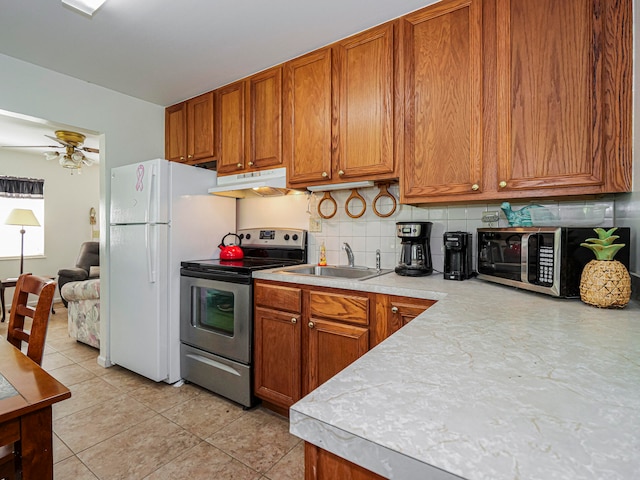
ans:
x=490 y=383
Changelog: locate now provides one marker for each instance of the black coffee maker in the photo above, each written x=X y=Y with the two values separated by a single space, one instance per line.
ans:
x=457 y=256
x=415 y=250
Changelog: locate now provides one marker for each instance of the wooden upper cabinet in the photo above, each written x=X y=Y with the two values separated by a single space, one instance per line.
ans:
x=264 y=119
x=442 y=54
x=231 y=128
x=562 y=99
x=200 y=128
x=175 y=132
x=189 y=130
x=306 y=128
x=363 y=97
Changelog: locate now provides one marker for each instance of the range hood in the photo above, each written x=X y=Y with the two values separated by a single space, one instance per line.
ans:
x=264 y=183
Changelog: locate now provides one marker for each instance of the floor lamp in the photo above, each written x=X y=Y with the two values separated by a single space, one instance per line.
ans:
x=25 y=218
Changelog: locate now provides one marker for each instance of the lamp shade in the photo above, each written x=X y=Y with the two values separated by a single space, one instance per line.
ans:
x=23 y=217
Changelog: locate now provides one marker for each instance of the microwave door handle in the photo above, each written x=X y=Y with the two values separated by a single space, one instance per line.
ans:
x=524 y=257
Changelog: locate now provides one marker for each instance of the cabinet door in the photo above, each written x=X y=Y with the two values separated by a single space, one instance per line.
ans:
x=306 y=128
x=175 y=132
x=402 y=310
x=363 y=95
x=277 y=371
x=443 y=101
x=231 y=110
x=554 y=81
x=200 y=128
x=331 y=346
x=320 y=464
x=264 y=117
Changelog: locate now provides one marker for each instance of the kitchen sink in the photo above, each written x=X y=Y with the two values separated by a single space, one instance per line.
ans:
x=353 y=273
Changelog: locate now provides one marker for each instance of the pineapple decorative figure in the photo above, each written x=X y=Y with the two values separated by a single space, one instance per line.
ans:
x=605 y=282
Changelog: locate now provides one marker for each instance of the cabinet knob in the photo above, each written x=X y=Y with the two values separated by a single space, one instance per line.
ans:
x=182 y=159
x=251 y=164
x=325 y=174
x=502 y=184
x=189 y=156
x=394 y=309
x=475 y=187
x=294 y=320
x=311 y=325
x=341 y=172
x=239 y=165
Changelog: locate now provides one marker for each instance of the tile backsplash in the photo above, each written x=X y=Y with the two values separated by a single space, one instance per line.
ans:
x=370 y=232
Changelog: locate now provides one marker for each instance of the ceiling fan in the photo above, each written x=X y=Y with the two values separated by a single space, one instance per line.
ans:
x=73 y=157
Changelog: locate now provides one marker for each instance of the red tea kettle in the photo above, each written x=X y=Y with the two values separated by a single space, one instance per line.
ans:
x=230 y=252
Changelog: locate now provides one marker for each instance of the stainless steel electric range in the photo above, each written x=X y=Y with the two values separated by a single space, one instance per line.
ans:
x=216 y=311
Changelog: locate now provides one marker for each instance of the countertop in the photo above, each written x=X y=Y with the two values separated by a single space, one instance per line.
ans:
x=490 y=383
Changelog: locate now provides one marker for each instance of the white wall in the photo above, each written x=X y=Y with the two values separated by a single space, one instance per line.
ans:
x=132 y=130
x=67 y=201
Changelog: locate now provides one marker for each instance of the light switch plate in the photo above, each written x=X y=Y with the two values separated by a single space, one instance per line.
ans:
x=315 y=224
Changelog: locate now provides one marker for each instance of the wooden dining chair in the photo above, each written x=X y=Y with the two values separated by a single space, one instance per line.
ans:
x=35 y=337
x=44 y=289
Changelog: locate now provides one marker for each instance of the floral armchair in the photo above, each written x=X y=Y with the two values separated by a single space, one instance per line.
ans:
x=83 y=310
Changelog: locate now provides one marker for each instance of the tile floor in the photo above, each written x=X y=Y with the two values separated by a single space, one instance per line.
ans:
x=119 y=425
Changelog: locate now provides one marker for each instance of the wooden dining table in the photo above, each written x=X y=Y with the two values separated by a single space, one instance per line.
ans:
x=27 y=393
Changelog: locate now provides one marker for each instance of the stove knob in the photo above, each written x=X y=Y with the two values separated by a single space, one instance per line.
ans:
x=295 y=237
x=286 y=236
x=248 y=236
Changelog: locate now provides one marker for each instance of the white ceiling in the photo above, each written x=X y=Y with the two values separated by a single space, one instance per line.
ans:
x=165 y=51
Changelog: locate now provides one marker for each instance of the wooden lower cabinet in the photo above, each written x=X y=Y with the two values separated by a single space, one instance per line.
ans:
x=322 y=465
x=304 y=335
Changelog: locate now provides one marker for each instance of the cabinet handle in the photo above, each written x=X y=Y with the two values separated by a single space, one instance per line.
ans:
x=475 y=187
x=239 y=165
x=325 y=174
x=502 y=184
x=341 y=172
x=294 y=320
x=394 y=309
x=311 y=325
x=251 y=164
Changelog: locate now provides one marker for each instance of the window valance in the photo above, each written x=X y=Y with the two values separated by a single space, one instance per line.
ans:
x=16 y=187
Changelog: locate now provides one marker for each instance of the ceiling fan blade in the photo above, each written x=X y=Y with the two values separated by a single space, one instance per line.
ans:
x=89 y=149
x=64 y=144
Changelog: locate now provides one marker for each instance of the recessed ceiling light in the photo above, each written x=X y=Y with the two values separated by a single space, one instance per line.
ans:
x=88 y=7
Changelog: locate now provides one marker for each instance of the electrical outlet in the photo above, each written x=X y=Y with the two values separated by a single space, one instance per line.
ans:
x=490 y=217
x=315 y=224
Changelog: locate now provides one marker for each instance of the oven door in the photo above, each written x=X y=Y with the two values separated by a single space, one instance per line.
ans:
x=216 y=314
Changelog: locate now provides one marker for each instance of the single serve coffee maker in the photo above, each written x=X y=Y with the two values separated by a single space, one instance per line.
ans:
x=457 y=256
x=415 y=250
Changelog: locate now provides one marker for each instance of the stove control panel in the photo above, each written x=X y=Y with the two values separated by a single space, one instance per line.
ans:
x=273 y=237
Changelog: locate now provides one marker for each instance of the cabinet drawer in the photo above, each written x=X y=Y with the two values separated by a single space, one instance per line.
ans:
x=341 y=307
x=278 y=297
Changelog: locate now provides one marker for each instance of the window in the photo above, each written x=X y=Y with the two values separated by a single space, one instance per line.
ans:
x=21 y=193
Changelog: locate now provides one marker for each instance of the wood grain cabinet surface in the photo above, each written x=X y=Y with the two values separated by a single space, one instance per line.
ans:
x=231 y=128
x=190 y=130
x=522 y=99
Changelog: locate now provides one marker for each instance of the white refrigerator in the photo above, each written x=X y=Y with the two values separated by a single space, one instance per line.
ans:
x=160 y=215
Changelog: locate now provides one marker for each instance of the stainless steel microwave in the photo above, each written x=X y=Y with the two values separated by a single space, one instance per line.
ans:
x=542 y=259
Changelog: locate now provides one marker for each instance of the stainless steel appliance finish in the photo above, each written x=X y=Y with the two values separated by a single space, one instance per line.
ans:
x=216 y=310
x=542 y=259
x=457 y=256
x=415 y=250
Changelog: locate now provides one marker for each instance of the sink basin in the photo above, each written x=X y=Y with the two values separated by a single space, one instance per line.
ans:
x=353 y=273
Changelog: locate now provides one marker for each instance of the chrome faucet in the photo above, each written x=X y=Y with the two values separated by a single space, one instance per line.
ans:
x=378 y=260
x=347 y=248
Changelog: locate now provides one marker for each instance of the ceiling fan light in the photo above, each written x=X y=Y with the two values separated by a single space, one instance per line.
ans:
x=77 y=157
x=51 y=155
x=88 y=7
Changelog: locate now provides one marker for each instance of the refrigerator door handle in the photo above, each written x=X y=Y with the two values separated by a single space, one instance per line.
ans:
x=151 y=252
x=149 y=192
